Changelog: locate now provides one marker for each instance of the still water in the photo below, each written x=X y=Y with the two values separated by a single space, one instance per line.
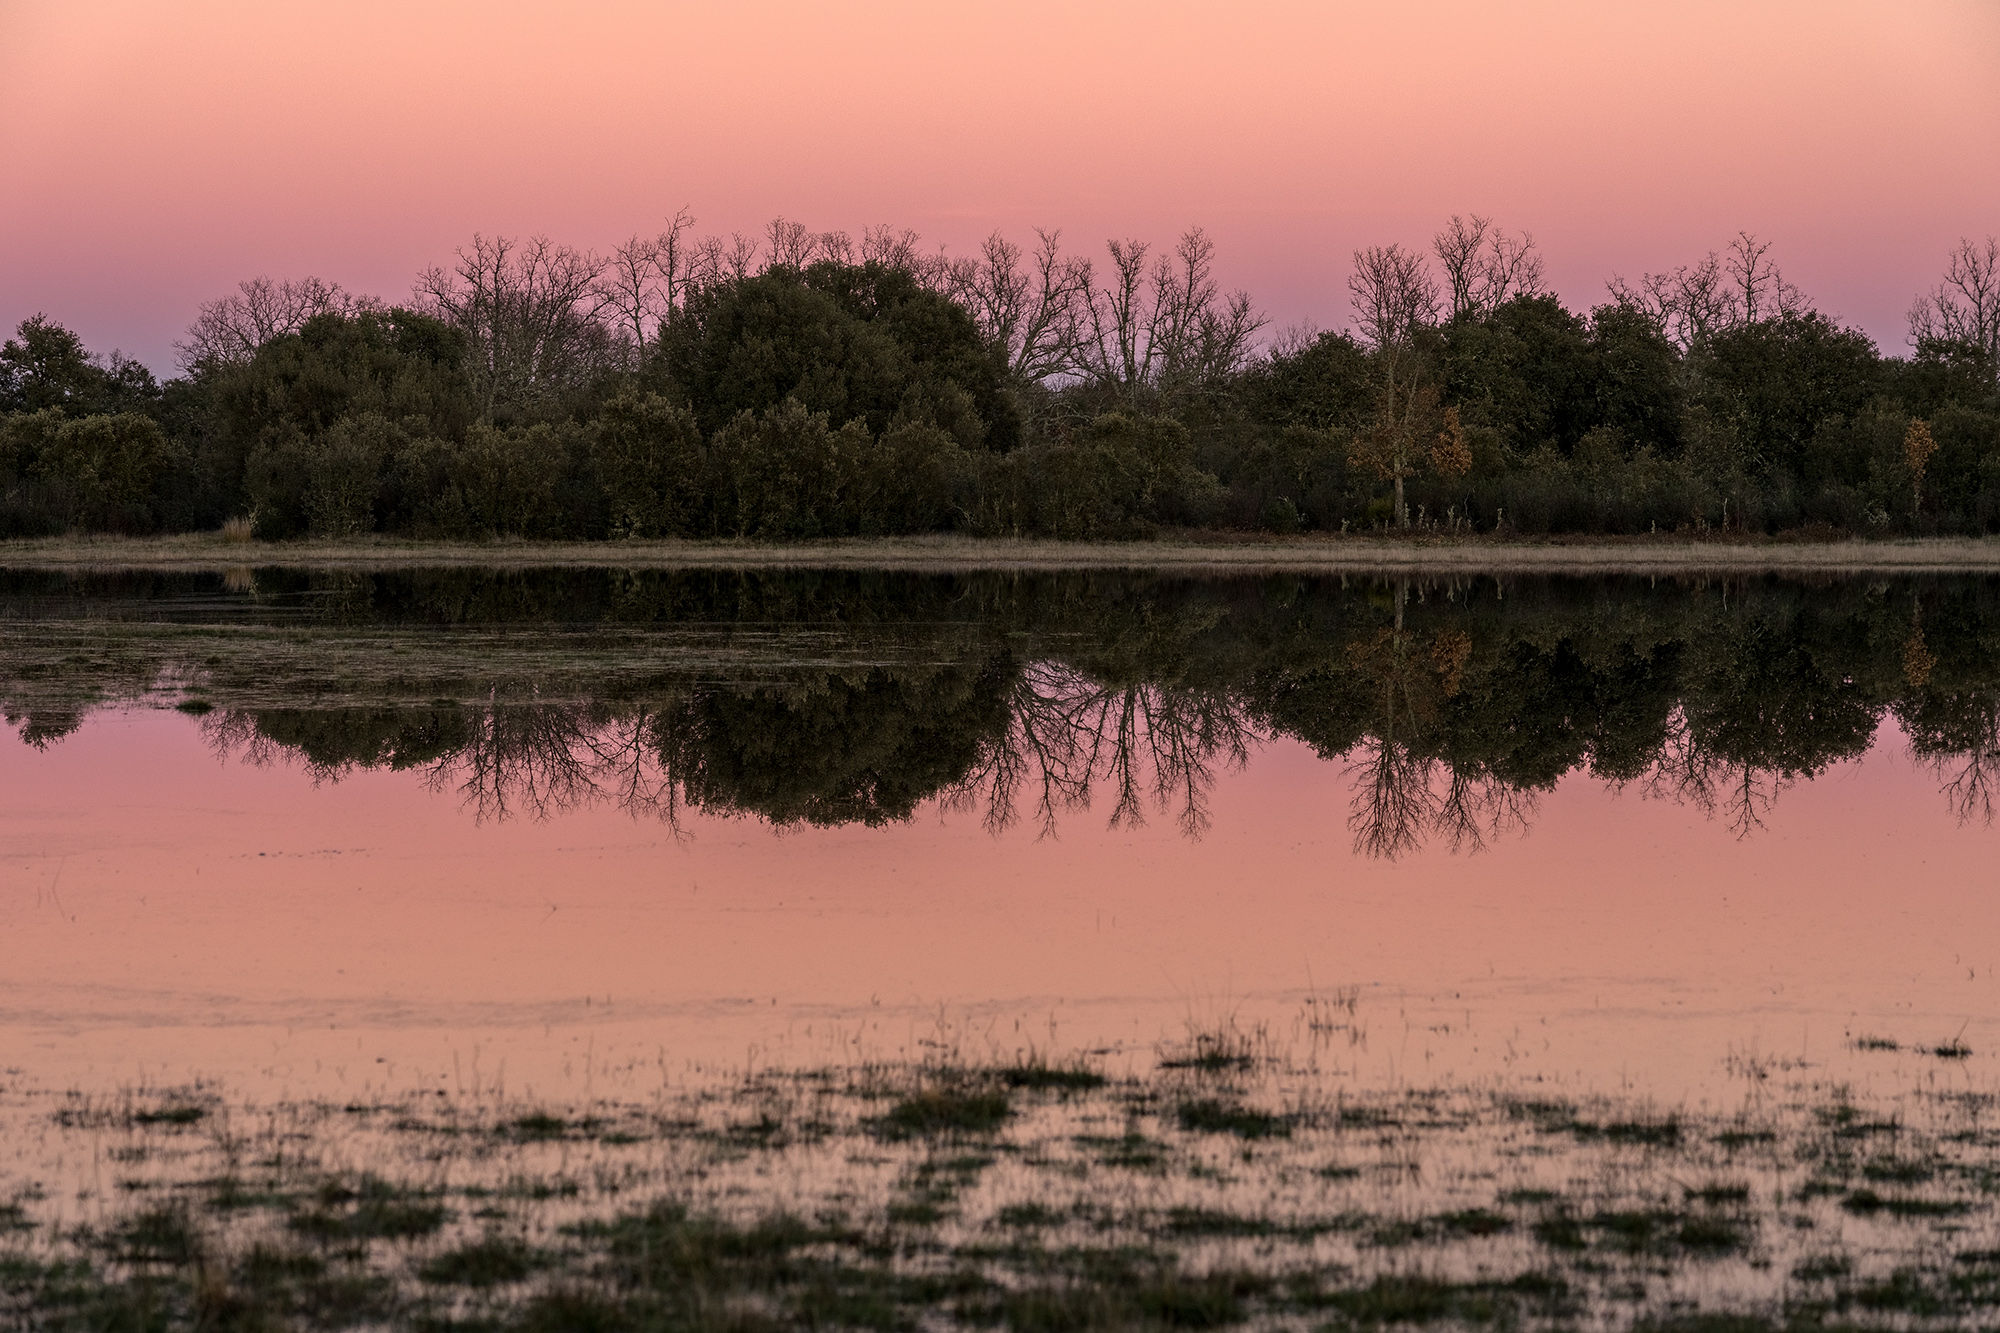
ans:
x=326 y=835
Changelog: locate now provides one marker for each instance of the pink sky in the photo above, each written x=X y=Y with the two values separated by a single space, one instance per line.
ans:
x=157 y=154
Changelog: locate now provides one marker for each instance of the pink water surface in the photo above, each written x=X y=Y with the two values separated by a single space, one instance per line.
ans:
x=166 y=914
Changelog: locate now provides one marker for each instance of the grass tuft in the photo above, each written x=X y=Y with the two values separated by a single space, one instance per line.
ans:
x=1211 y=1116
x=945 y=1111
x=488 y=1262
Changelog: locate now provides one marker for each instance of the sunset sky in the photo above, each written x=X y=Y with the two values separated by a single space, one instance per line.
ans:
x=158 y=153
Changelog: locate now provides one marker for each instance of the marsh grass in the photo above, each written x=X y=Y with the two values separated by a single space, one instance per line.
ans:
x=1211 y=1115
x=945 y=1110
x=1199 y=551
x=1018 y=1194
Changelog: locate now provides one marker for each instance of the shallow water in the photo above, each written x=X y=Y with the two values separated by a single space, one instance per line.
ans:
x=1086 y=950
x=548 y=834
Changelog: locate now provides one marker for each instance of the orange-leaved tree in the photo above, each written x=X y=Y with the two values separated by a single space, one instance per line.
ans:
x=1918 y=447
x=1396 y=307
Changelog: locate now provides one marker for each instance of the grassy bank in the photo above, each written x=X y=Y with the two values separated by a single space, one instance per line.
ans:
x=1220 y=1183
x=1193 y=553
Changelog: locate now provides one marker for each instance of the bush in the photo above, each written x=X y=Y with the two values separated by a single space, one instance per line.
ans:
x=905 y=480
x=1118 y=476
x=328 y=485
x=95 y=473
x=786 y=470
x=511 y=479
x=654 y=468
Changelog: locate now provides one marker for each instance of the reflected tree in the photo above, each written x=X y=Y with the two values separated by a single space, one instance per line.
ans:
x=1068 y=734
x=825 y=700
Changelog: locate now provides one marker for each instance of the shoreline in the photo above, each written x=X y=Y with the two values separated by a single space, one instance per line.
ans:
x=1205 y=554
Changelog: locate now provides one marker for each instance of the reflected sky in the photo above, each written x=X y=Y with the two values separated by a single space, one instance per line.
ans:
x=318 y=891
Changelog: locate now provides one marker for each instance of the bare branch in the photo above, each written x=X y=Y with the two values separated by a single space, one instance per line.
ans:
x=532 y=314
x=1965 y=306
x=232 y=328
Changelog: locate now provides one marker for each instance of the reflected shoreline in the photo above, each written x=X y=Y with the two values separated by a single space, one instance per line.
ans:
x=825 y=699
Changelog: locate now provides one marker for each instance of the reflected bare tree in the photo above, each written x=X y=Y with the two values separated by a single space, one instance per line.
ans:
x=1408 y=785
x=523 y=759
x=1478 y=806
x=1691 y=771
x=634 y=770
x=1967 y=778
x=1068 y=735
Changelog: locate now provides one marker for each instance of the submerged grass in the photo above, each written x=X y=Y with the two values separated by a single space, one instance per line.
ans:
x=1022 y=1195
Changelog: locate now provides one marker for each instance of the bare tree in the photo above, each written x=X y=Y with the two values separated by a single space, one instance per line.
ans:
x=891 y=247
x=531 y=313
x=647 y=280
x=1513 y=268
x=1394 y=295
x=1395 y=300
x=897 y=248
x=1030 y=307
x=789 y=244
x=1484 y=267
x=1965 y=307
x=1293 y=339
x=1168 y=326
x=1114 y=353
x=794 y=245
x=712 y=259
x=231 y=328
x=834 y=247
x=1694 y=303
x=1759 y=291
x=1688 y=305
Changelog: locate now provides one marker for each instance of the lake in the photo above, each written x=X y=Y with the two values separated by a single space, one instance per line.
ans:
x=593 y=838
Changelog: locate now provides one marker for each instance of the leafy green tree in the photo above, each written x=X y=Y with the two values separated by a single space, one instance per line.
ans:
x=328 y=484
x=93 y=473
x=787 y=468
x=1942 y=373
x=1528 y=369
x=403 y=368
x=106 y=468
x=1118 y=475
x=847 y=341
x=908 y=480
x=1326 y=384
x=512 y=478
x=1778 y=379
x=44 y=366
x=1636 y=379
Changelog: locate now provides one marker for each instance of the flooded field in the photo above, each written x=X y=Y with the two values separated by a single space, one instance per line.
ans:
x=613 y=949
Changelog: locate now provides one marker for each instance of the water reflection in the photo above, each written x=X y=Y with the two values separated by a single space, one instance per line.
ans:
x=830 y=699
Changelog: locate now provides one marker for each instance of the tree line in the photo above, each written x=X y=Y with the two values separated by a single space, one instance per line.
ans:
x=803 y=384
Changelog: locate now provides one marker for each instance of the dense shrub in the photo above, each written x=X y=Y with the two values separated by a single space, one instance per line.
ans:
x=1118 y=475
x=655 y=468
x=100 y=473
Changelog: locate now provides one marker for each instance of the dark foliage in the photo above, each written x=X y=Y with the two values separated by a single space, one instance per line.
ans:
x=864 y=399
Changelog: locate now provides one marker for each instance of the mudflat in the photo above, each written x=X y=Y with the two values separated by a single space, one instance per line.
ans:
x=1192 y=552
